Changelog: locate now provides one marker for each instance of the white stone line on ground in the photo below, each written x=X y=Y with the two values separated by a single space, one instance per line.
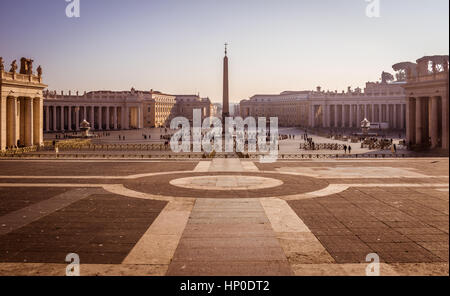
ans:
x=226 y=165
x=159 y=242
x=202 y=166
x=298 y=242
x=443 y=190
x=49 y=185
x=122 y=190
x=338 y=188
x=226 y=182
x=136 y=176
x=249 y=166
x=25 y=216
x=54 y=269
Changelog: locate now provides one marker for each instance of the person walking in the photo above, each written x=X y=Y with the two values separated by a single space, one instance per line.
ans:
x=349 y=149
x=345 y=149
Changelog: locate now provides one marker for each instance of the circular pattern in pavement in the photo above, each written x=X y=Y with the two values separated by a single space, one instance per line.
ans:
x=226 y=182
x=169 y=184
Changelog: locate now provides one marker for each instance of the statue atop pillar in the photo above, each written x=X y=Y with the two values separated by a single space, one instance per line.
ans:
x=2 y=67
x=386 y=77
x=26 y=66
x=13 y=67
x=39 y=71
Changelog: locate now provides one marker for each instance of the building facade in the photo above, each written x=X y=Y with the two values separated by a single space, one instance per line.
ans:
x=107 y=110
x=381 y=103
x=185 y=105
x=21 y=101
x=291 y=108
x=426 y=89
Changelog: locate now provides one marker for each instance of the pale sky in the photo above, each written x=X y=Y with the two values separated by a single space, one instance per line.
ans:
x=176 y=46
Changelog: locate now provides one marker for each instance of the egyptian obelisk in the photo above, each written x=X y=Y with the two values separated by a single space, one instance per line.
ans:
x=225 y=101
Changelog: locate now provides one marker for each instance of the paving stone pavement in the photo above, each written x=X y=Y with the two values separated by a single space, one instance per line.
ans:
x=125 y=218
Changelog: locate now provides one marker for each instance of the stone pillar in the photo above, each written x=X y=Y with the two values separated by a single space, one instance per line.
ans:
x=324 y=115
x=410 y=120
x=139 y=119
x=84 y=113
x=395 y=118
x=92 y=118
x=62 y=118
x=343 y=116
x=47 y=119
x=372 y=117
x=419 y=125
x=380 y=113
x=358 y=115
x=100 y=117
x=350 y=115
x=77 y=118
x=313 y=118
x=433 y=121
x=402 y=116
x=366 y=112
x=28 y=141
x=3 y=121
x=107 y=117
x=445 y=122
x=12 y=122
x=38 y=121
x=69 y=118
x=127 y=118
x=115 y=118
x=54 y=118
x=335 y=116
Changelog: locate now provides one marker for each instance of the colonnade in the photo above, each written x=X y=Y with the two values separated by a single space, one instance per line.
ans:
x=63 y=117
x=21 y=121
x=351 y=115
x=427 y=121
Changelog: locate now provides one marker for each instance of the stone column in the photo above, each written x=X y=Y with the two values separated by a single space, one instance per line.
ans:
x=12 y=122
x=372 y=117
x=324 y=115
x=107 y=117
x=100 y=117
x=335 y=116
x=54 y=118
x=350 y=115
x=115 y=118
x=92 y=118
x=127 y=118
x=380 y=113
x=433 y=121
x=69 y=118
x=28 y=141
x=139 y=114
x=410 y=120
x=402 y=116
x=77 y=118
x=62 y=118
x=84 y=112
x=38 y=121
x=419 y=126
x=343 y=116
x=445 y=122
x=3 y=138
x=358 y=115
x=395 y=116
x=365 y=111
x=47 y=118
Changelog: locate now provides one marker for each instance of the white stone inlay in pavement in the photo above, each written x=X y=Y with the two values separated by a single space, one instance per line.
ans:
x=355 y=172
x=202 y=166
x=298 y=242
x=24 y=216
x=159 y=242
x=226 y=182
x=226 y=165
